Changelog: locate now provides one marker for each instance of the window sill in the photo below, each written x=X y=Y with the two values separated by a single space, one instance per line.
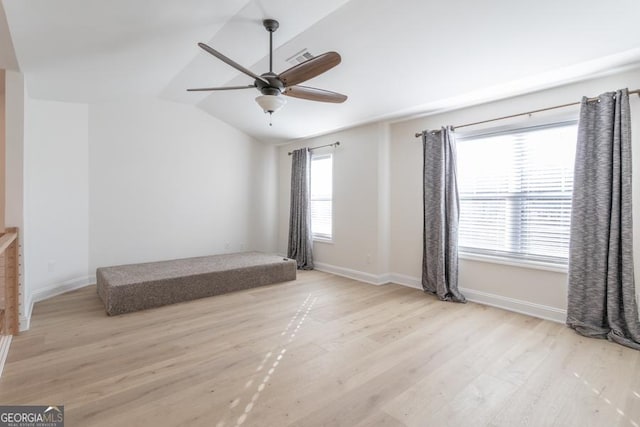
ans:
x=536 y=265
x=323 y=240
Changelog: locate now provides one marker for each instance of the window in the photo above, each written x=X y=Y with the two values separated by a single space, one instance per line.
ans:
x=321 y=196
x=515 y=192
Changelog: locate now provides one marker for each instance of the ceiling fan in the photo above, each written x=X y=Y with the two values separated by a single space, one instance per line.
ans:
x=272 y=85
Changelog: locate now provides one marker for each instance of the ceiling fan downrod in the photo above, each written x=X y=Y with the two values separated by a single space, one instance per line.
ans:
x=271 y=26
x=271 y=85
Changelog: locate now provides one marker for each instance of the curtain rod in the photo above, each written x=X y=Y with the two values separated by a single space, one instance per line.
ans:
x=335 y=144
x=631 y=92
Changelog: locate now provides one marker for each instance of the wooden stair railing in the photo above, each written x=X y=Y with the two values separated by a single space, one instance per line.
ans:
x=9 y=319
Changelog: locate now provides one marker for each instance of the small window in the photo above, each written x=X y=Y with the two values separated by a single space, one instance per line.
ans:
x=321 y=196
x=515 y=192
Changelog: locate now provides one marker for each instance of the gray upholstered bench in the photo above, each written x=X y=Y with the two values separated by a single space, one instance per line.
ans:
x=134 y=287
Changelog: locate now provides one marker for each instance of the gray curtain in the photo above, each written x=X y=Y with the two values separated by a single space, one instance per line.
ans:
x=300 y=245
x=602 y=300
x=441 y=213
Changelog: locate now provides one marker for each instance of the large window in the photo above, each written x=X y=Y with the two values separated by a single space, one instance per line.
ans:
x=515 y=192
x=321 y=196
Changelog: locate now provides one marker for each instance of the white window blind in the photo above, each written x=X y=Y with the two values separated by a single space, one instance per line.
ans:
x=515 y=192
x=321 y=196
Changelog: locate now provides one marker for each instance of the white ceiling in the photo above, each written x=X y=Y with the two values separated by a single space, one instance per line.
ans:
x=398 y=57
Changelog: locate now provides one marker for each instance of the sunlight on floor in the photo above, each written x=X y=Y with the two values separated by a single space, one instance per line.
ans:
x=299 y=316
x=606 y=400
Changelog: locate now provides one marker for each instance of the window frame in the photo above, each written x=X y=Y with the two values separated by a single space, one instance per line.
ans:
x=505 y=257
x=323 y=238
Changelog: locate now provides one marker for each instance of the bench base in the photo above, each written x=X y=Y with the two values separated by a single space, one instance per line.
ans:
x=128 y=288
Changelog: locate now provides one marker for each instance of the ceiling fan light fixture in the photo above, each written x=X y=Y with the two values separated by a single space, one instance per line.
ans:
x=272 y=85
x=270 y=103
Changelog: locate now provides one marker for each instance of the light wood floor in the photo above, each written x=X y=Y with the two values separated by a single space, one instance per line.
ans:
x=320 y=351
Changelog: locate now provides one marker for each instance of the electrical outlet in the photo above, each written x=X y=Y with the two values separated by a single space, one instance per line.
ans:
x=368 y=259
x=51 y=266
x=227 y=245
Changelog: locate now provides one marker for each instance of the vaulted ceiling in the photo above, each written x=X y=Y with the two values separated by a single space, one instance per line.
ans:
x=398 y=57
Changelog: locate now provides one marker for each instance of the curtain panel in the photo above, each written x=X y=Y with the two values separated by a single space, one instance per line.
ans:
x=300 y=246
x=602 y=298
x=441 y=215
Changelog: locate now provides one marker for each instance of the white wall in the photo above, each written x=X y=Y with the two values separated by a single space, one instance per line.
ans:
x=360 y=200
x=56 y=236
x=529 y=286
x=127 y=182
x=364 y=167
x=170 y=181
x=3 y=160
x=14 y=209
x=14 y=98
x=263 y=203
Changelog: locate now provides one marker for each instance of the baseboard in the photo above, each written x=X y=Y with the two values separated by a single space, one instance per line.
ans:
x=519 y=306
x=361 y=276
x=49 y=292
x=61 y=288
x=25 y=316
x=404 y=280
x=5 y=343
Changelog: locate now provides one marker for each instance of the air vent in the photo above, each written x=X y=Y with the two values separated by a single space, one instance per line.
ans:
x=299 y=57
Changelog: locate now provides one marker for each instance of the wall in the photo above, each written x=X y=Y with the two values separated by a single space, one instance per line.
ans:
x=14 y=209
x=56 y=237
x=170 y=181
x=360 y=202
x=538 y=291
x=128 y=182
x=15 y=94
x=263 y=198
x=3 y=161
x=378 y=202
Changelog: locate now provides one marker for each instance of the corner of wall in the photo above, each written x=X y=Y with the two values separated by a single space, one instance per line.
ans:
x=16 y=100
x=361 y=276
x=25 y=314
x=49 y=292
x=384 y=197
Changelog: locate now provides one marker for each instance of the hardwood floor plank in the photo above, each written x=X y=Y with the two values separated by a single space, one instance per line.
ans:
x=382 y=375
x=441 y=386
x=319 y=351
x=380 y=419
x=477 y=403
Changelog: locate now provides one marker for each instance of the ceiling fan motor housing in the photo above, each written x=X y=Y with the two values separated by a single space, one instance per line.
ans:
x=271 y=85
x=270 y=24
x=275 y=86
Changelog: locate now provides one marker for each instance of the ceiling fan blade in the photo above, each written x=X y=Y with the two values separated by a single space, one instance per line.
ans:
x=310 y=68
x=202 y=89
x=314 y=94
x=231 y=62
